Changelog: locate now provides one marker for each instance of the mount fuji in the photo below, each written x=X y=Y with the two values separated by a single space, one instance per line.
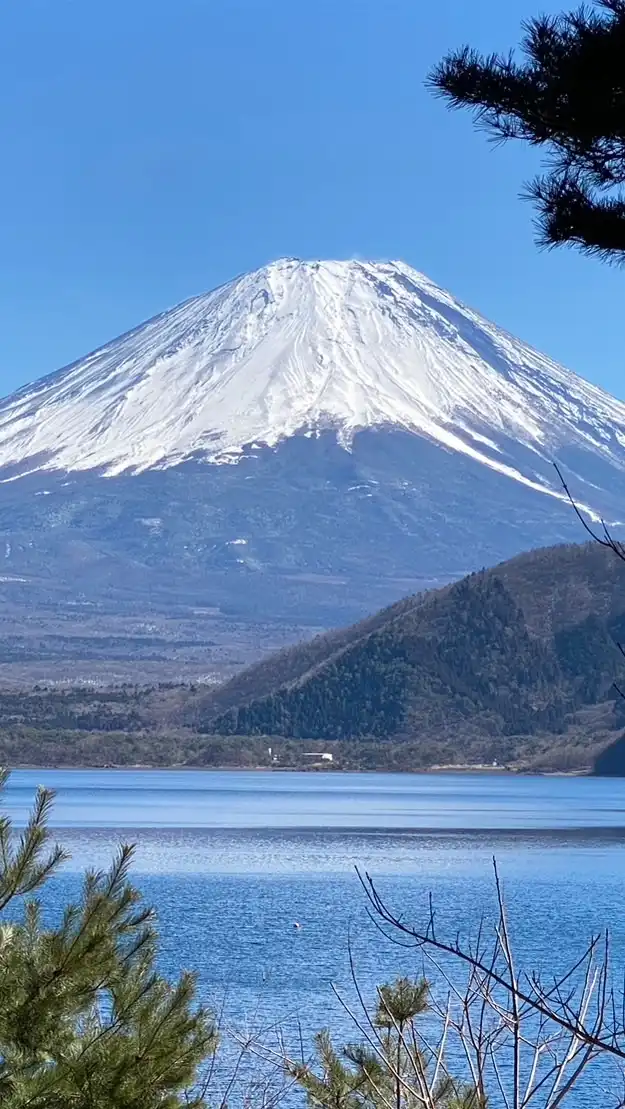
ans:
x=303 y=445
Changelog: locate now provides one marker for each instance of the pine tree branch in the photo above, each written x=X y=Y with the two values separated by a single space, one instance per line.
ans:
x=566 y=96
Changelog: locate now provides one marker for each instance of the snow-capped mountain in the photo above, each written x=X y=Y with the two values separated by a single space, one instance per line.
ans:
x=309 y=441
x=306 y=347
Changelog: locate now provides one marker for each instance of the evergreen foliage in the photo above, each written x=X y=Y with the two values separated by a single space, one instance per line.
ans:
x=394 y=1068
x=507 y=652
x=568 y=98
x=86 y=1022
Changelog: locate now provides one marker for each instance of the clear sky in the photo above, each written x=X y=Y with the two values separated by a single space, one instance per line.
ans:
x=152 y=150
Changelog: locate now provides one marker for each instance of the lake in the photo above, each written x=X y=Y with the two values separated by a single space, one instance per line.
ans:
x=240 y=799
x=232 y=860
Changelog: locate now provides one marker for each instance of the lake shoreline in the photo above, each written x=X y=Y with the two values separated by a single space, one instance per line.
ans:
x=482 y=771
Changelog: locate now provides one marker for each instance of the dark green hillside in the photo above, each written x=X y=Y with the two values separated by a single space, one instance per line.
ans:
x=514 y=651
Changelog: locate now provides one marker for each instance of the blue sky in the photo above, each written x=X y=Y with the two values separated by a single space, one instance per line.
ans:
x=151 y=151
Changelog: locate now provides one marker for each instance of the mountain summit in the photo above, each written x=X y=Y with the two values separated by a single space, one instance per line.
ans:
x=306 y=347
x=297 y=448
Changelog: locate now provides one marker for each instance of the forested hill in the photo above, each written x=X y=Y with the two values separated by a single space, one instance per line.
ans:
x=517 y=650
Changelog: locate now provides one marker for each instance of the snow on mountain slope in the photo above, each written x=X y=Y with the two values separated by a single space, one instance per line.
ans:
x=308 y=346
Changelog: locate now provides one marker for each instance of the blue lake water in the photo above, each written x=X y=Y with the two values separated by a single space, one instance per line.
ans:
x=222 y=799
x=232 y=860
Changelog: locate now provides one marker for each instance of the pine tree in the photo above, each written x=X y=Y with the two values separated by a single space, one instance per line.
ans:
x=86 y=1022
x=568 y=99
x=393 y=1069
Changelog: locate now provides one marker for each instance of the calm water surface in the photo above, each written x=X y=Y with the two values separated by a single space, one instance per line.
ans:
x=231 y=860
x=217 y=799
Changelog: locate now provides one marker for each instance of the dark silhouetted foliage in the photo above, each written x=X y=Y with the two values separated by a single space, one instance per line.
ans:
x=566 y=97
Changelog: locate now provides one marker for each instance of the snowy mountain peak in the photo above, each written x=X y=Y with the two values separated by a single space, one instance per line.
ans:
x=302 y=347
